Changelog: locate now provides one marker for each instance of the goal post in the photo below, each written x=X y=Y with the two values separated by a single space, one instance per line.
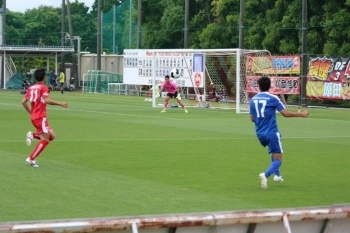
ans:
x=233 y=72
x=191 y=81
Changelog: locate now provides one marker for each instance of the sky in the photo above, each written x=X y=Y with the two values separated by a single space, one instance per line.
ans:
x=23 y=5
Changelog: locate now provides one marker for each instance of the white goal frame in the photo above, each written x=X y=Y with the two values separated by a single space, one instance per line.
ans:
x=242 y=98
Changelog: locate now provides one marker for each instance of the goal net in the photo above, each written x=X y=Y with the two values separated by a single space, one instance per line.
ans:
x=233 y=73
x=101 y=82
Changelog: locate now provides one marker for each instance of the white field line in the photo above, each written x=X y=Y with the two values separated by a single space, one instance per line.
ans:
x=57 y=108
x=173 y=139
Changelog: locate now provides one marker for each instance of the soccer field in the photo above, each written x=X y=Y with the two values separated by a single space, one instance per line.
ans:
x=118 y=156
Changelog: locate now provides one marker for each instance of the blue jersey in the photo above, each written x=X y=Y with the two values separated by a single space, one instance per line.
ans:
x=263 y=107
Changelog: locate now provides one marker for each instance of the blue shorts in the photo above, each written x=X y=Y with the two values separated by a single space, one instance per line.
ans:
x=273 y=141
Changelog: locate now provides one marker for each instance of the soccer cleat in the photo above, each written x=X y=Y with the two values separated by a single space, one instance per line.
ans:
x=186 y=111
x=31 y=162
x=29 y=138
x=162 y=111
x=263 y=180
x=146 y=99
x=278 y=179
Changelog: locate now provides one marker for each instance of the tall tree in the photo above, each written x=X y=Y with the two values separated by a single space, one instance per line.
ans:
x=15 y=28
x=223 y=31
x=336 y=29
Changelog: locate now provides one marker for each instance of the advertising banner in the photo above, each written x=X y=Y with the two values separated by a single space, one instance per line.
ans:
x=329 y=78
x=279 y=85
x=273 y=65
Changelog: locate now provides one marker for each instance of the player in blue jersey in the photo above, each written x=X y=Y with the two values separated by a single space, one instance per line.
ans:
x=263 y=108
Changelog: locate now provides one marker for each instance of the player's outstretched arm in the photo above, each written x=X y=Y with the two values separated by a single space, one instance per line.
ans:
x=287 y=113
x=53 y=102
x=25 y=105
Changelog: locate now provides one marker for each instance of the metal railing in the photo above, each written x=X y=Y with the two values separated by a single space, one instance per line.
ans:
x=328 y=219
x=11 y=67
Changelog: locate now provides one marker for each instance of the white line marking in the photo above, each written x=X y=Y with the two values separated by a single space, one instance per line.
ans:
x=173 y=139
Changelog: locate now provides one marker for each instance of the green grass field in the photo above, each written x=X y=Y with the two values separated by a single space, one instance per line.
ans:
x=118 y=156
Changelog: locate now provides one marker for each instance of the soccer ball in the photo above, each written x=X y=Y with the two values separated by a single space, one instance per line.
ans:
x=175 y=73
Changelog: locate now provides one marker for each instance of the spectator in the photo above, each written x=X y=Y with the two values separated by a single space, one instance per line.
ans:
x=61 y=79
x=53 y=78
x=212 y=93
x=149 y=94
x=26 y=85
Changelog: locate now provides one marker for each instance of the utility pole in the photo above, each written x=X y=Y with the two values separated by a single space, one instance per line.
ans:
x=113 y=49
x=4 y=22
x=63 y=34
x=303 y=54
x=99 y=35
x=72 y=42
x=3 y=28
x=187 y=8
x=130 y=25
x=139 y=23
x=241 y=24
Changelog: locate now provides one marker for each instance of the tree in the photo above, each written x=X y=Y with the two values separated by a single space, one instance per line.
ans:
x=84 y=24
x=274 y=25
x=14 y=28
x=336 y=19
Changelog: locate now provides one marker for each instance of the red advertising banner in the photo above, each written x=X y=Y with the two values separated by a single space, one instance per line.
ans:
x=329 y=78
x=273 y=65
x=279 y=85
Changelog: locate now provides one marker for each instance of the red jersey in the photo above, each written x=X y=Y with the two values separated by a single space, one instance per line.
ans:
x=36 y=94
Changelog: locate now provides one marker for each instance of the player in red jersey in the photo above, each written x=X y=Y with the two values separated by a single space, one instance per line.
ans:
x=38 y=95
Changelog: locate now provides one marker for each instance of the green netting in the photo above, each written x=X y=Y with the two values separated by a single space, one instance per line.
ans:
x=16 y=81
x=116 y=27
x=99 y=81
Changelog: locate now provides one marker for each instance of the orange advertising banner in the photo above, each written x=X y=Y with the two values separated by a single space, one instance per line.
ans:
x=279 y=85
x=273 y=65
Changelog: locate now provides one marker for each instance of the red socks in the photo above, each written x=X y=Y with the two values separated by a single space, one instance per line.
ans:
x=38 y=149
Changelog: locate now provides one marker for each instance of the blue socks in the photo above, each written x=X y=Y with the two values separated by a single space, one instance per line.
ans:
x=277 y=173
x=274 y=168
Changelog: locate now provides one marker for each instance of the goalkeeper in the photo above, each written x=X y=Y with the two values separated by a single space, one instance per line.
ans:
x=172 y=92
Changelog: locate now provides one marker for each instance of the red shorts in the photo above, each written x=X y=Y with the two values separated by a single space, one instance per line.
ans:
x=41 y=125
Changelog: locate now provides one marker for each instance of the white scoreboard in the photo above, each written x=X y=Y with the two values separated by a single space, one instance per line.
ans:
x=141 y=66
